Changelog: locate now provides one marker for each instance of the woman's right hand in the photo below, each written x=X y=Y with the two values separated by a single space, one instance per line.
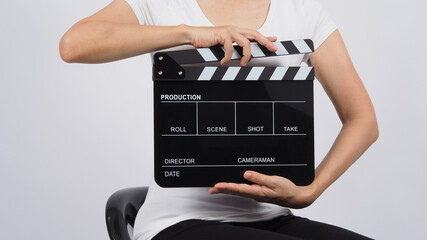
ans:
x=226 y=36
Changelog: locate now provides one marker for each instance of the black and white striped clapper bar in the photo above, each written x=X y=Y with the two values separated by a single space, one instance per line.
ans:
x=211 y=123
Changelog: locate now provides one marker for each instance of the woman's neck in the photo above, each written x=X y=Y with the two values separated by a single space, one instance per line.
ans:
x=243 y=13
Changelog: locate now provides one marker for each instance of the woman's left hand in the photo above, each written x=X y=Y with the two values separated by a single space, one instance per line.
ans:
x=270 y=189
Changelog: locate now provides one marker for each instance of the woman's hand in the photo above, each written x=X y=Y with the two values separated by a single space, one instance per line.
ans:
x=270 y=189
x=226 y=35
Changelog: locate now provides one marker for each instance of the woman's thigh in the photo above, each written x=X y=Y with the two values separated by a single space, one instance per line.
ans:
x=311 y=230
x=214 y=230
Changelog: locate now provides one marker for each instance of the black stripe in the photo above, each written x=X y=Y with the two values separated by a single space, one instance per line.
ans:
x=186 y=56
x=266 y=51
x=219 y=73
x=290 y=47
x=290 y=74
x=193 y=73
x=218 y=52
x=310 y=44
x=243 y=73
x=311 y=75
x=239 y=50
x=266 y=74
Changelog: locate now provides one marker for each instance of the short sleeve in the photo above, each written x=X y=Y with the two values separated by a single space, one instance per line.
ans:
x=139 y=7
x=320 y=23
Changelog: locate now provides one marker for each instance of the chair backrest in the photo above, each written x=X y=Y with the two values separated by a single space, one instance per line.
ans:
x=121 y=210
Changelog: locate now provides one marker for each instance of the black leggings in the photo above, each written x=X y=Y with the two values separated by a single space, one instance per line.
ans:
x=282 y=228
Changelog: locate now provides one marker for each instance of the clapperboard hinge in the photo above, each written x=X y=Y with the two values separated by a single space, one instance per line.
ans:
x=165 y=67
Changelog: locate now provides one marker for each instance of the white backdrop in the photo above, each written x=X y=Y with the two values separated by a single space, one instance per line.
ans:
x=72 y=134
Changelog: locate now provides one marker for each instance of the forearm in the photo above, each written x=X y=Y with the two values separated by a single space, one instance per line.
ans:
x=353 y=140
x=99 y=41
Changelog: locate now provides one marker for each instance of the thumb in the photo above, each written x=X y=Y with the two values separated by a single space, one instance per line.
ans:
x=259 y=178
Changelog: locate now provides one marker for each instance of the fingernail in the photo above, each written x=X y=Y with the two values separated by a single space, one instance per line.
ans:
x=248 y=174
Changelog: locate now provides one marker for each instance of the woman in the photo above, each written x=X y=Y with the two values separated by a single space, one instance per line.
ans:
x=127 y=28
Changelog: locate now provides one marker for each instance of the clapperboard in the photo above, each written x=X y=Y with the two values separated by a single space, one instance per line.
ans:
x=211 y=123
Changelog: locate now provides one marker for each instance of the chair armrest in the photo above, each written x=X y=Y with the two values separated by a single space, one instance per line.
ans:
x=121 y=210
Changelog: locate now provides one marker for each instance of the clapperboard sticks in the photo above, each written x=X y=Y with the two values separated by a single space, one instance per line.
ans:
x=167 y=65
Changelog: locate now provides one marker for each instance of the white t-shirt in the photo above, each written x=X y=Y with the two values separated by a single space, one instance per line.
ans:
x=288 y=20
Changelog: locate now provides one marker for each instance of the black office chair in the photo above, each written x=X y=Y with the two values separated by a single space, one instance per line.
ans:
x=121 y=211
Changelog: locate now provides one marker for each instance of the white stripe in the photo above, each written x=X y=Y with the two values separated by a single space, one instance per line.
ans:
x=278 y=73
x=207 y=54
x=235 y=55
x=302 y=73
x=256 y=51
x=302 y=46
x=207 y=73
x=255 y=73
x=231 y=73
x=281 y=49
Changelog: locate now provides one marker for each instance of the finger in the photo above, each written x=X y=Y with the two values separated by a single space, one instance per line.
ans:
x=240 y=189
x=272 y=39
x=228 y=46
x=261 y=39
x=246 y=45
x=213 y=190
x=260 y=179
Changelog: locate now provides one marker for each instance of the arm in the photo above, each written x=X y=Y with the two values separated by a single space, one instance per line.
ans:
x=336 y=73
x=114 y=33
x=344 y=87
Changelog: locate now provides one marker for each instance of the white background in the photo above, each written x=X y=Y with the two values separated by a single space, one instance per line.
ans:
x=72 y=134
